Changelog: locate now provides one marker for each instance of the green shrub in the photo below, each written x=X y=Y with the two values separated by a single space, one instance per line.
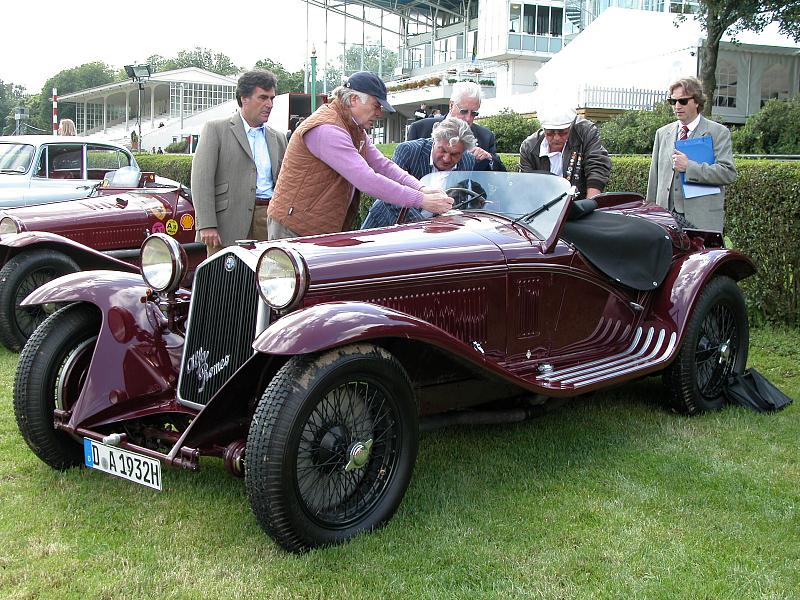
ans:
x=775 y=129
x=177 y=147
x=174 y=167
x=510 y=129
x=633 y=131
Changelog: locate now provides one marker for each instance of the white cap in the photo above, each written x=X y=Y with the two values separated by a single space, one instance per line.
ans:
x=556 y=117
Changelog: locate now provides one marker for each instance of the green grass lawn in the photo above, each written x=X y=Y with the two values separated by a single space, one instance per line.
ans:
x=610 y=496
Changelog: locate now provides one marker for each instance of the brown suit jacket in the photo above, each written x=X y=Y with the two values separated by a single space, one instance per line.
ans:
x=224 y=177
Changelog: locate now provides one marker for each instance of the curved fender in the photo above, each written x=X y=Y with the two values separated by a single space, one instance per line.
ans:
x=324 y=326
x=87 y=258
x=136 y=360
x=687 y=278
x=97 y=287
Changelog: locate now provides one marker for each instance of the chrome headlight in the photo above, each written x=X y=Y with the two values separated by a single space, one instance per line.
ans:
x=163 y=262
x=281 y=278
x=9 y=225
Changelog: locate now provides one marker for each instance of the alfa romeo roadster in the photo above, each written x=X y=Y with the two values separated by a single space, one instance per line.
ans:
x=307 y=365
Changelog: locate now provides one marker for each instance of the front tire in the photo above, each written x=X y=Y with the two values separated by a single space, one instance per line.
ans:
x=51 y=374
x=19 y=277
x=714 y=347
x=331 y=447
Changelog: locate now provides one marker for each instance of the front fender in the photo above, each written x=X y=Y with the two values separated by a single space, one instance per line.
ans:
x=102 y=288
x=87 y=258
x=136 y=359
x=687 y=279
x=330 y=324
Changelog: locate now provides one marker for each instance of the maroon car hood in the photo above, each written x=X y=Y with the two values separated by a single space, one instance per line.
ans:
x=442 y=244
x=63 y=216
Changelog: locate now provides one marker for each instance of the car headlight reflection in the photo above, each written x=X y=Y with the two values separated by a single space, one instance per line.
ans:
x=281 y=278
x=9 y=225
x=163 y=262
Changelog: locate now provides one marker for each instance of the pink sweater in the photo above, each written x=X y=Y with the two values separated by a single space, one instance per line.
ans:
x=377 y=175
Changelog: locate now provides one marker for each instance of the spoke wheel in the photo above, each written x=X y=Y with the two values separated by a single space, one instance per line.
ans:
x=331 y=457
x=20 y=276
x=51 y=374
x=714 y=348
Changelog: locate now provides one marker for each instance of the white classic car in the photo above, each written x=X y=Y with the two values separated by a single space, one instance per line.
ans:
x=35 y=169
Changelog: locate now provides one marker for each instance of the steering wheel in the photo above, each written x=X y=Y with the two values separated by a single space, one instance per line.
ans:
x=473 y=195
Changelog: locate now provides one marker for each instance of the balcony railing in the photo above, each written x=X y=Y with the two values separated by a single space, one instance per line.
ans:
x=623 y=98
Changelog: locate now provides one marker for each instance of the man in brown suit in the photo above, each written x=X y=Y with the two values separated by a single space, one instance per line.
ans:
x=236 y=166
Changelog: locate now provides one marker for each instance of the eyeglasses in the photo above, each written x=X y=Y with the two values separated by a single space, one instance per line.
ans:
x=464 y=112
x=556 y=132
x=681 y=101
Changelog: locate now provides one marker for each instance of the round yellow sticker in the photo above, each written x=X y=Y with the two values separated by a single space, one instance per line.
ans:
x=172 y=227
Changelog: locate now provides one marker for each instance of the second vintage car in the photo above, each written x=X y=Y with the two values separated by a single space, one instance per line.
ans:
x=102 y=230
x=307 y=364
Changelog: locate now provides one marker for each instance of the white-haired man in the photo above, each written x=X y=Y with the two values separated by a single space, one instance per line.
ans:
x=331 y=158
x=447 y=150
x=465 y=104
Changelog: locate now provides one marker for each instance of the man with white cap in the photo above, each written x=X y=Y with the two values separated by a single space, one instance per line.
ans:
x=567 y=146
x=330 y=158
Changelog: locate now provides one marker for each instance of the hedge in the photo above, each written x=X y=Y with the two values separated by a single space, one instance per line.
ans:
x=762 y=220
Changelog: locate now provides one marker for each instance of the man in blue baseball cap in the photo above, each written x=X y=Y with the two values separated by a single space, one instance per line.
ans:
x=331 y=159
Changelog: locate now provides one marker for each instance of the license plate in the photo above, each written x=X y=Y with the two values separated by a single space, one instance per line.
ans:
x=122 y=463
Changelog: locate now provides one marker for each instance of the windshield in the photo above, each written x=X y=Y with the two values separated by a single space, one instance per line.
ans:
x=15 y=158
x=512 y=195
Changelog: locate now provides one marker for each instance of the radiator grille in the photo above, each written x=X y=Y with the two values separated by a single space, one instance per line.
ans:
x=221 y=328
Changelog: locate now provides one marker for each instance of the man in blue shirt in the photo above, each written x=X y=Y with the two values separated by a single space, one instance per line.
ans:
x=447 y=150
x=236 y=166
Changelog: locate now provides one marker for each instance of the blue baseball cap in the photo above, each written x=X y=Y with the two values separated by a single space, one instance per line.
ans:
x=371 y=84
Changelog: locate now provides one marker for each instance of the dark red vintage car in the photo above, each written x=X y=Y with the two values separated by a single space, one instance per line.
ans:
x=307 y=365
x=104 y=230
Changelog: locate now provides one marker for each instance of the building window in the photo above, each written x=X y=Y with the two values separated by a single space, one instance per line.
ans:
x=514 y=19
x=725 y=94
x=775 y=84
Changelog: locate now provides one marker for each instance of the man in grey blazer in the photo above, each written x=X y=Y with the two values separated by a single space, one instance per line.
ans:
x=664 y=186
x=235 y=167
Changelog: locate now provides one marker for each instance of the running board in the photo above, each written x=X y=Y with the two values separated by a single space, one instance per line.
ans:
x=648 y=348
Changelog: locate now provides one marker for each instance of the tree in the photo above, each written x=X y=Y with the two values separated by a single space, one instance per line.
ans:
x=287 y=82
x=772 y=130
x=720 y=16
x=85 y=76
x=11 y=96
x=633 y=131
x=375 y=59
x=510 y=129
x=202 y=58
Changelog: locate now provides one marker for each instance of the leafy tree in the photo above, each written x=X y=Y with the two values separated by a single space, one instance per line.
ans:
x=11 y=96
x=85 y=76
x=633 y=131
x=287 y=82
x=719 y=16
x=772 y=130
x=510 y=129
x=371 y=62
x=203 y=58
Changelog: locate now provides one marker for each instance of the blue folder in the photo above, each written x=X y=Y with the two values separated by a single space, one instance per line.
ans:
x=700 y=150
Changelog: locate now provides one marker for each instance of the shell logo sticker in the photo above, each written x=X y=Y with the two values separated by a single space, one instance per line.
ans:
x=158 y=227
x=187 y=221
x=172 y=227
x=159 y=212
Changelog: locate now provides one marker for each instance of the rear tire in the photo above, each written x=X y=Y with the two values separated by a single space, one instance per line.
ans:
x=51 y=374
x=714 y=347
x=331 y=447
x=19 y=277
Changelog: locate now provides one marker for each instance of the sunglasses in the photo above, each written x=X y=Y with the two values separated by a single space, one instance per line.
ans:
x=464 y=112
x=681 y=101
x=556 y=132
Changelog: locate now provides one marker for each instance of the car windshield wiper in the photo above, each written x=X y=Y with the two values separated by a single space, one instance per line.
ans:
x=528 y=217
x=14 y=170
